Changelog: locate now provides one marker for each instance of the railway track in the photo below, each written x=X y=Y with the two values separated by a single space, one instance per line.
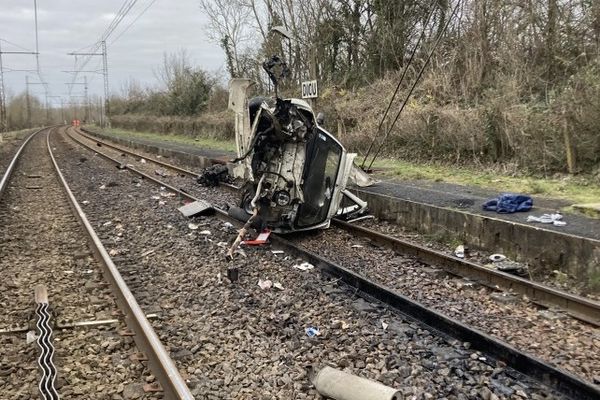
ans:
x=563 y=381
x=576 y=306
x=92 y=338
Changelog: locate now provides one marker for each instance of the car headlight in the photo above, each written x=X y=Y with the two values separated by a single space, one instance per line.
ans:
x=282 y=198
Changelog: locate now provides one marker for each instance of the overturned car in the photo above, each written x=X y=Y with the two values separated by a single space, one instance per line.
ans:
x=294 y=171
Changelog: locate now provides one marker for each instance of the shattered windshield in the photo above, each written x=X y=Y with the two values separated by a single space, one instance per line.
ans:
x=320 y=175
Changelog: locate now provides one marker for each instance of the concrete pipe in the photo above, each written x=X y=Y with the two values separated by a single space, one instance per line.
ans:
x=339 y=385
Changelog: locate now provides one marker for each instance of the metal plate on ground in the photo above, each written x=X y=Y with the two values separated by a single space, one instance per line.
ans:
x=195 y=208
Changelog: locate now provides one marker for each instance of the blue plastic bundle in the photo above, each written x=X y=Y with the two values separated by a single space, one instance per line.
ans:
x=508 y=203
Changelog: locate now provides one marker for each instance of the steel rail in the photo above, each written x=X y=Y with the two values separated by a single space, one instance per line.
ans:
x=578 y=307
x=556 y=378
x=145 y=337
x=9 y=170
x=85 y=134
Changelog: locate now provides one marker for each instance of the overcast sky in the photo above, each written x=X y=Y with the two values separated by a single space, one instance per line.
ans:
x=69 y=25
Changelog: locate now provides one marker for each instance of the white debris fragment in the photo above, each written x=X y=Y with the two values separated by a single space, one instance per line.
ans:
x=357 y=246
x=193 y=226
x=107 y=223
x=554 y=219
x=277 y=252
x=228 y=225
x=206 y=232
x=167 y=194
x=497 y=257
x=305 y=266
x=278 y=286
x=113 y=252
x=31 y=337
x=266 y=284
x=384 y=325
x=155 y=197
x=85 y=202
x=102 y=187
x=460 y=251
x=142 y=160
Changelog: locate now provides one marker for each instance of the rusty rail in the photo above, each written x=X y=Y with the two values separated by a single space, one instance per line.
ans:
x=145 y=338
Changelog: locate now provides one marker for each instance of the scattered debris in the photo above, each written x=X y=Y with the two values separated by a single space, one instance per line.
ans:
x=85 y=202
x=167 y=194
x=311 y=331
x=357 y=246
x=143 y=161
x=113 y=252
x=161 y=172
x=512 y=267
x=554 y=219
x=278 y=286
x=305 y=266
x=497 y=257
x=214 y=175
x=205 y=232
x=332 y=383
x=384 y=325
x=102 y=187
x=460 y=251
x=262 y=238
x=196 y=208
x=277 y=252
x=193 y=226
x=266 y=284
x=31 y=337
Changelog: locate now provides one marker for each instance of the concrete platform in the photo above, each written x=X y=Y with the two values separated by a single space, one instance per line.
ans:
x=591 y=209
x=449 y=211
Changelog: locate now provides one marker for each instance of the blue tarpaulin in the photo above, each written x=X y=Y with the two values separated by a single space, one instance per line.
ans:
x=508 y=203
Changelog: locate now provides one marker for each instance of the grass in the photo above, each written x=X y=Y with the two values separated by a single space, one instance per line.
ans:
x=576 y=189
x=200 y=142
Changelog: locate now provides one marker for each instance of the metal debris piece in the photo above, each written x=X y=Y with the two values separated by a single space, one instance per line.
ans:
x=195 y=208
x=497 y=257
x=305 y=266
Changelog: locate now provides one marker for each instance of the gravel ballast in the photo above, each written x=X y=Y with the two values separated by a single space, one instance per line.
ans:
x=41 y=244
x=241 y=341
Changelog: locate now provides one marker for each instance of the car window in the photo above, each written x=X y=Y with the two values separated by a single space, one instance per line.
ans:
x=320 y=174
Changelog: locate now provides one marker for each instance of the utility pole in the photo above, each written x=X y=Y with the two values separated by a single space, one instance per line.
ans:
x=3 y=114
x=105 y=73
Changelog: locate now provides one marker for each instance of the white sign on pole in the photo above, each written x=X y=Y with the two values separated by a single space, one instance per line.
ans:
x=310 y=90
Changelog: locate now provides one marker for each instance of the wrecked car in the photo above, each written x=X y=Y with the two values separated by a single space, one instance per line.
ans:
x=295 y=172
